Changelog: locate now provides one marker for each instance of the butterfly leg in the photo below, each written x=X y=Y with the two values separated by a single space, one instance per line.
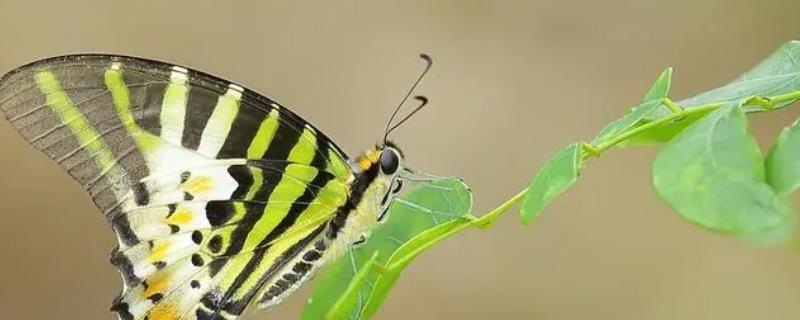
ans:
x=434 y=213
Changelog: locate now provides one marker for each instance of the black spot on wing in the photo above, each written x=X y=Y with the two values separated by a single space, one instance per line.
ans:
x=122 y=310
x=291 y=277
x=301 y=267
x=140 y=194
x=197 y=260
x=155 y=298
x=197 y=237
x=312 y=255
x=219 y=212
x=215 y=244
x=283 y=284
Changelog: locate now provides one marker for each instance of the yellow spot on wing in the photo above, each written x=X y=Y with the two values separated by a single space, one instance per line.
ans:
x=159 y=252
x=198 y=185
x=180 y=217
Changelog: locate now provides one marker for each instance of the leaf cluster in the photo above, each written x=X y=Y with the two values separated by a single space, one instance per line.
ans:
x=709 y=170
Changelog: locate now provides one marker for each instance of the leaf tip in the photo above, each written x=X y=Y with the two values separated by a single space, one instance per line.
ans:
x=526 y=217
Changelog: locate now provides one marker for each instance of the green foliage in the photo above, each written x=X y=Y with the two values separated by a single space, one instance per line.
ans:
x=775 y=76
x=421 y=211
x=555 y=177
x=710 y=171
x=652 y=100
x=713 y=175
x=783 y=161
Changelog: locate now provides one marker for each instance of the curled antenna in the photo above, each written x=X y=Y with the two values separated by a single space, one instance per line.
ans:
x=424 y=101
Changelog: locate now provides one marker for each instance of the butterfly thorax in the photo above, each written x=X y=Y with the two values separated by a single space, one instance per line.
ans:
x=369 y=197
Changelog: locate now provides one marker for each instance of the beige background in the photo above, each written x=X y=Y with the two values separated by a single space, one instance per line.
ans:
x=513 y=82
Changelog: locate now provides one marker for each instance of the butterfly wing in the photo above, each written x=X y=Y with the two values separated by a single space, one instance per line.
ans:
x=216 y=193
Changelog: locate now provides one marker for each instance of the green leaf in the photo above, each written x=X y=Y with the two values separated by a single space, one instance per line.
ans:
x=778 y=74
x=660 y=89
x=424 y=208
x=554 y=178
x=783 y=161
x=652 y=100
x=343 y=306
x=663 y=132
x=404 y=256
x=713 y=175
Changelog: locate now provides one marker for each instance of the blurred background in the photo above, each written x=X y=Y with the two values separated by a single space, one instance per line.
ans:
x=513 y=82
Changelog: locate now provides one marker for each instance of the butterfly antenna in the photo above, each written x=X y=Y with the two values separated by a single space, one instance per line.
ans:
x=422 y=102
x=389 y=127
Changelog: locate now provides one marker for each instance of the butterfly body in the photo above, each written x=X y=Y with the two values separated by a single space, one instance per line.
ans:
x=221 y=198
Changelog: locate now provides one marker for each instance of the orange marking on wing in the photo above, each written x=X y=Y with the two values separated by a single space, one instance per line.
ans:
x=156 y=285
x=164 y=311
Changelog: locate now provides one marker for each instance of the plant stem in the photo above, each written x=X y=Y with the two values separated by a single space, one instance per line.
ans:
x=486 y=220
x=674 y=107
x=482 y=222
x=679 y=112
x=675 y=115
x=791 y=96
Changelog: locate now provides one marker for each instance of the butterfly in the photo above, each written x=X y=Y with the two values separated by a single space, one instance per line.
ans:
x=222 y=200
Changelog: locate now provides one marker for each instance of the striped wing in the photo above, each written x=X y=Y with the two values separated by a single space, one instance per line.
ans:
x=217 y=194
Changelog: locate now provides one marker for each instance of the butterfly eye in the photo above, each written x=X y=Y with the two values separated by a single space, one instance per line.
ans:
x=389 y=161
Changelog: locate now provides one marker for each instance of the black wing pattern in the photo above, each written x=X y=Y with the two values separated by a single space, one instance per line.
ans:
x=217 y=194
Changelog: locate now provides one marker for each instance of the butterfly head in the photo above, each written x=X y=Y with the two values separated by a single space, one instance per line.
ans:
x=381 y=169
